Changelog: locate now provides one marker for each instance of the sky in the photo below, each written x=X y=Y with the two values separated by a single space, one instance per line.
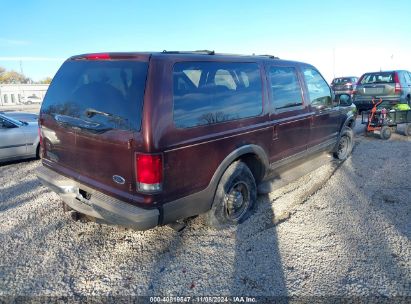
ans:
x=340 y=38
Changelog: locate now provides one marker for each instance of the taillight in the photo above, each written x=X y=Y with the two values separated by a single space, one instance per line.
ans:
x=98 y=56
x=149 y=172
x=398 y=88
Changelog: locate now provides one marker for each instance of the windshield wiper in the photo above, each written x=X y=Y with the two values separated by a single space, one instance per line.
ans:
x=91 y=112
x=73 y=122
x=118 y=121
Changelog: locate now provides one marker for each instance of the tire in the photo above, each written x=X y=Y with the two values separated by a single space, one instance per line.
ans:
x=344 y=145
x=235 y=197
x=38 y=152
x=407 y=130
x=385 y=132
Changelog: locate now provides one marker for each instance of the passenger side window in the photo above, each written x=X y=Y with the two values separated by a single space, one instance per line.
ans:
x=285 y=88
x=207 y=93
x=318 y=89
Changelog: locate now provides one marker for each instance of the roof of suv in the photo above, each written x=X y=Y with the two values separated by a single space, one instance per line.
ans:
x=388 y=71
x=195 y=55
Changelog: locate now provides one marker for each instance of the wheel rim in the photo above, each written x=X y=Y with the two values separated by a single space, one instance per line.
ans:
x=386 y=133
x=343 y=146
x=237 y=201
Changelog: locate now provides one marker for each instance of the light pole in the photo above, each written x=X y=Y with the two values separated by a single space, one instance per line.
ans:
x=334 y=61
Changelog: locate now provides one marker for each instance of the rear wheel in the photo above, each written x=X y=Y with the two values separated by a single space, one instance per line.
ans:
x=344 y=145
x=235 y=197
x=385 y=132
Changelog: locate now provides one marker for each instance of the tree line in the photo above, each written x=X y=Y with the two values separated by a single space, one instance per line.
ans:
x=8 y=77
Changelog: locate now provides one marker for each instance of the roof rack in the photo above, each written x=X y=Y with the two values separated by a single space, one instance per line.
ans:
x=270 y=56
x=205 y=52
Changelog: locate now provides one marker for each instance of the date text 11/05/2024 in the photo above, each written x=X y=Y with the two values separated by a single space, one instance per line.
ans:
x=203 y=299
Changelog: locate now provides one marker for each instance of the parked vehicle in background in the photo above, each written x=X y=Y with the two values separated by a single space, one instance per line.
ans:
x=211 y=129
x=393 y=87
x=33 y=99
x=344 y=85
x=22 y=116
x=18 y=139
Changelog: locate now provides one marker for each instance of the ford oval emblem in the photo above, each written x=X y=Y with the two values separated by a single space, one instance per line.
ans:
x=118 y=179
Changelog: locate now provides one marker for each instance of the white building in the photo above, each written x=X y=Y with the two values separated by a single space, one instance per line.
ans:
x=13 y=94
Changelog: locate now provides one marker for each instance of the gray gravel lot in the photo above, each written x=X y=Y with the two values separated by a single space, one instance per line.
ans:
x=338 y=231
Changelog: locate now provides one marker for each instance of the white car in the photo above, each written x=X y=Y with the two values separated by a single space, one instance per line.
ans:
x=18 y=139
x=33 y=99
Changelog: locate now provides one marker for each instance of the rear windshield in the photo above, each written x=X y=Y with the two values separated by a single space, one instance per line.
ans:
x=107 y=94
x=381 y=77
x=343 y=80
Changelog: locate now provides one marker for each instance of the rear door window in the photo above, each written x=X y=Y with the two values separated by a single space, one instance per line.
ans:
x=99 y=95
x=210 y=92
x=285 y=88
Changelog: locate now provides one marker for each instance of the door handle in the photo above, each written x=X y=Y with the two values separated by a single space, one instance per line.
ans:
x=275 y=132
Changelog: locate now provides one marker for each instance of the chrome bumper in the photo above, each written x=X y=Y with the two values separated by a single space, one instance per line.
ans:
x=99 y=205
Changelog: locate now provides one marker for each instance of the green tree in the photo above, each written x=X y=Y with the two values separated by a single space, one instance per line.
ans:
x=12 y=77
x=46 y=80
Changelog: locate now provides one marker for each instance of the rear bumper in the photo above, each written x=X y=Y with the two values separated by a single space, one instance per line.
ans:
x=116 y=212
x=99 y=205
x=349 y=92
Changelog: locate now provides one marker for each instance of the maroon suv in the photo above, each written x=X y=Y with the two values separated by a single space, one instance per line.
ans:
x=146 y=139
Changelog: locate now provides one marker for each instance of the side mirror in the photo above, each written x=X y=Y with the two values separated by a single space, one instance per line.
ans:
x=320 y=107
x=344 y=100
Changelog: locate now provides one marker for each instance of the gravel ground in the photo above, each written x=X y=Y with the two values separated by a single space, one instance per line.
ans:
x=342 y=230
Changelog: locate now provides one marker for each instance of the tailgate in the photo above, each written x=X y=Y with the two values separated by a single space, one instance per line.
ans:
x=90 y=116
x=377 y=84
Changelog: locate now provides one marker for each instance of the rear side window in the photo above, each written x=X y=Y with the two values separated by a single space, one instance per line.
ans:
x=285 y=87
x=206 y=93
x=381 y=77
x=407 y=77
x=101 y=94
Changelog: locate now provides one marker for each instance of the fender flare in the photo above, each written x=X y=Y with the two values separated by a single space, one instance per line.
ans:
x=237 y=153
x=347 y=122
